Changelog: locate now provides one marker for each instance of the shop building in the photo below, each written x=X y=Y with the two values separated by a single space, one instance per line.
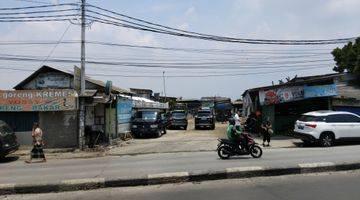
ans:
x=50 y=96
x=283 y=104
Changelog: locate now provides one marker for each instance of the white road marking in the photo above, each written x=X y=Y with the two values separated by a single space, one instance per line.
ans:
x=318 y=164
x=83 y=181
x=169 y=175
x=243 y=169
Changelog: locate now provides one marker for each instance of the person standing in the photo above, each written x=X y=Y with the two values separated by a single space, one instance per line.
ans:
x=37 y=151
x=237 y=120
x=267 y=131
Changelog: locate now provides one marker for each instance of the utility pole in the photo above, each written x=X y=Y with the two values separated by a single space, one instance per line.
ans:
x=164 y=85
x=82 y=78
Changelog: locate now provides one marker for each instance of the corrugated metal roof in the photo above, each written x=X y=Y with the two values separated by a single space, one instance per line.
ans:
x=347 y=90
x=298 y=81
x=47 y=68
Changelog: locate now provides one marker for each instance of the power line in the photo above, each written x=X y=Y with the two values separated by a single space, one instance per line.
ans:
x=180 y=76
x=37 y=7
x=109 y=22
x=53 y=49
x=158 y=28
x=139 y=24
x=39 y=20
x=39 y=12
x=237 y=52
x=179 y=65
x=39 y=16
x=33 y=1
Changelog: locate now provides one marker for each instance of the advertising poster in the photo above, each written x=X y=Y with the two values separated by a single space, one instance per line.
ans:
x=37 y=100
x=281 y=95
x=320 y=91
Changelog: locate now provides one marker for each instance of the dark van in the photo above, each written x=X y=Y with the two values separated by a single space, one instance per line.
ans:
x=205 y=118
x=178 y=119
x=149 y=123
x=8 y=143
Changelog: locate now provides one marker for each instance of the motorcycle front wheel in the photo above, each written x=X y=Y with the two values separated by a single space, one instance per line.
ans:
x=255 y=151
x=223 y=152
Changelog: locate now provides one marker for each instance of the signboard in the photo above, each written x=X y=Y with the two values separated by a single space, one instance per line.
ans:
x=53 y=80
x=157 y=105
x=281 y=95
x=124 y=110
x=320 y=91
x=37 y=100
x=77 y=79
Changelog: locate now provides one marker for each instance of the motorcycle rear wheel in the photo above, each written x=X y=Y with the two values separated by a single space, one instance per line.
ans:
x=255 y=151
x=223 y=152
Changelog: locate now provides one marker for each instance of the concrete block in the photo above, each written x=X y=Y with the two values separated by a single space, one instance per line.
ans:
x=173 y=177
x=317 y=167
x=82 y=184
x=243 y=172
x=7 y=189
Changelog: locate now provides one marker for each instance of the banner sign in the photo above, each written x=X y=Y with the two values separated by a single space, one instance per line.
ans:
x=281 y=95
x=37 y=100
x=53 y=80
x=157 y=105
x=124 y=111
x=320 y=91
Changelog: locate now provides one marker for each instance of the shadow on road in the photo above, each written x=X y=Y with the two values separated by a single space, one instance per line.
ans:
x=245 y=157
x=9 y=159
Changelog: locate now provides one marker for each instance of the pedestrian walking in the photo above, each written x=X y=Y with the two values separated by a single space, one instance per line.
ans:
x=37 y=151
x=267 y=131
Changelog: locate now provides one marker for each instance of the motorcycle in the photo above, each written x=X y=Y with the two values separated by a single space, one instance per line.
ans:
x=227 y=148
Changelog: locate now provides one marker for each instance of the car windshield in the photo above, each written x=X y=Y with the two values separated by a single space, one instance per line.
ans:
x=203 y=114
x=178 y=114
x=311 y=118
x=146 y=115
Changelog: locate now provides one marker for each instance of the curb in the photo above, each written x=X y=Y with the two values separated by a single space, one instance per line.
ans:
x=175 y=177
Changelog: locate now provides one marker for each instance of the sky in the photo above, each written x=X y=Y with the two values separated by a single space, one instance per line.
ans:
x=257 y=19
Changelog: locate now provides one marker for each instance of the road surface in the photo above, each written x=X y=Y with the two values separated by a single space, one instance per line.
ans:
x=335 y=186
x=128 y=166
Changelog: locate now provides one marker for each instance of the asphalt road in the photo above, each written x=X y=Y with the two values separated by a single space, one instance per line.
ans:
x=129 y=166
x=341 y=185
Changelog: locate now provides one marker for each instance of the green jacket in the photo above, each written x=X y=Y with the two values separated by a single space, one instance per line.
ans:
x=232 y=133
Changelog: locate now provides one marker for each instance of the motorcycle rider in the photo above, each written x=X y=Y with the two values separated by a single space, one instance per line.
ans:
x=236 y=134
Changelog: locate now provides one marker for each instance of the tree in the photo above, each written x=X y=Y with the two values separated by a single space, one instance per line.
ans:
x=347 y=59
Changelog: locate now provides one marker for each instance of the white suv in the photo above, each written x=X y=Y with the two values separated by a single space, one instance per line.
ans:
x=327 y=126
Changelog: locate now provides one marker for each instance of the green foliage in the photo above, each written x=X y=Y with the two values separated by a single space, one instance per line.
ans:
x=348 y=58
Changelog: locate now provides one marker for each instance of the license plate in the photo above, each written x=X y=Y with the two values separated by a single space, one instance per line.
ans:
x=203 y=118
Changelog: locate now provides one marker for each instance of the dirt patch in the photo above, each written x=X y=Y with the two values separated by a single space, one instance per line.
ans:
x=189 y=140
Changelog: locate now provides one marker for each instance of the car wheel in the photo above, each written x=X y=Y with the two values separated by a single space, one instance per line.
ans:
x=185 y=128
x=212 y=127
x=196 y=127
x=306 y=143
x=158 y=133
x=326 y=140
x=164 y=131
